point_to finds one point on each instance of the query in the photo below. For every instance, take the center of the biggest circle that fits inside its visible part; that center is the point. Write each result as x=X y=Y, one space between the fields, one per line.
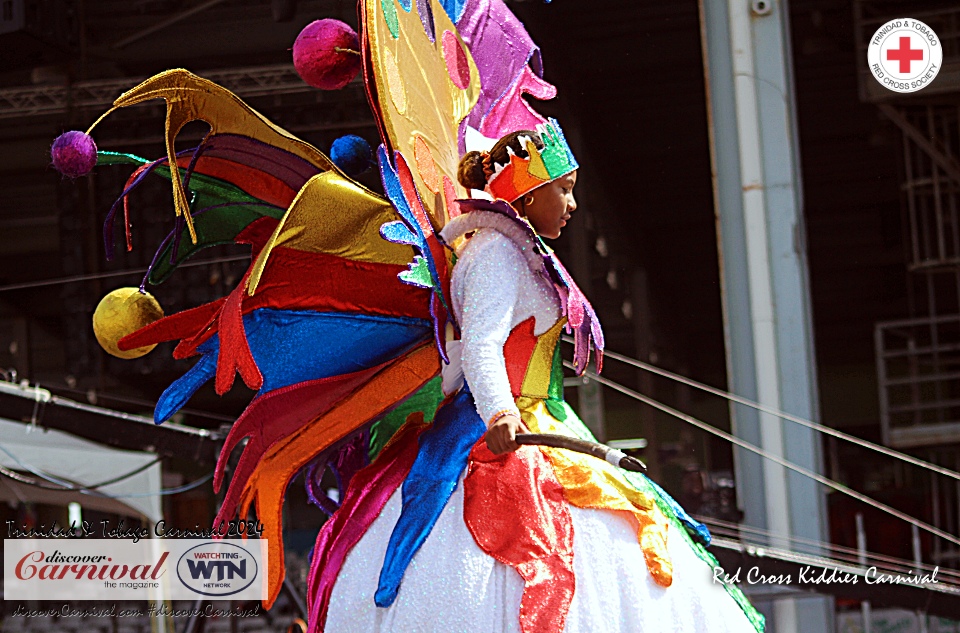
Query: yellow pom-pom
x=122 y=312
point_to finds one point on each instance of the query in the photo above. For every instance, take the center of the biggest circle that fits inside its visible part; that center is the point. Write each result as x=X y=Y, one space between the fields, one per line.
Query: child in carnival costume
x=406 y=355
x=487 y=535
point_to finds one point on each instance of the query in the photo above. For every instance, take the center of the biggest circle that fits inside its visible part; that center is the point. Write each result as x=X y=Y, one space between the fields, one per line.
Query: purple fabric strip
x=108 y=223
x=426 y=18
x=501 y=49
x=179 y=225
x=289 y=168
x=312 y=479
x=350 y=459
x=111 y=215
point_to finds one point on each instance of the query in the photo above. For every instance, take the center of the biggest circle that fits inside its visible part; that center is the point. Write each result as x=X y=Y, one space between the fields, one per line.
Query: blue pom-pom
x=352 y=154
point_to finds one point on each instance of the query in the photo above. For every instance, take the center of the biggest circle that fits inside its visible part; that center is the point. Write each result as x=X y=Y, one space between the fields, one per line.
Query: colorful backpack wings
x=340 y=321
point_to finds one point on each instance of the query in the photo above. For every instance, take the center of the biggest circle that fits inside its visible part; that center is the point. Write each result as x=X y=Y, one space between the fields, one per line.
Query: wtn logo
x=217 y=568
x=224 y=569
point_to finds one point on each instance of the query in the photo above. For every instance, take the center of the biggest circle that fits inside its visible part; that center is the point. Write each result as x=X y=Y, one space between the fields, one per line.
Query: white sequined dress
x=452 y=585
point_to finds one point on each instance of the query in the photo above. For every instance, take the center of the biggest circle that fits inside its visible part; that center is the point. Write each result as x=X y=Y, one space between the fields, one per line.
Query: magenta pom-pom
x=327 y=54
x=74 y=154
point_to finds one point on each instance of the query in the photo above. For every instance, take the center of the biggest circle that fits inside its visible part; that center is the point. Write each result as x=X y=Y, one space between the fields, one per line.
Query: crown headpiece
x=522 y=175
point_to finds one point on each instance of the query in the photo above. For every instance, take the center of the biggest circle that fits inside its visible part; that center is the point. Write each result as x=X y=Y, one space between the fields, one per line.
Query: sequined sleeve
x=486 y=287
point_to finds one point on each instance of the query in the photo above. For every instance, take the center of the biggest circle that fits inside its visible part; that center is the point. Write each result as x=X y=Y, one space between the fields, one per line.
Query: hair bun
x=471 y=173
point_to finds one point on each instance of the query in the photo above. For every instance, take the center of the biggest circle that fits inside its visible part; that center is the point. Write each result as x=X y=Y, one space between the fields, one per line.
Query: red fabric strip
x=297 y=280
x=235 y=354
x=184 y=324
x=516 y=511
x=273 y=417
x=517 y=351
x=258 y=184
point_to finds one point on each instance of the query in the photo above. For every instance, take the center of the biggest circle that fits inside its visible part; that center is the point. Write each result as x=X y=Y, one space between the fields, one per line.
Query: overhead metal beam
x=253 y=81
x=159 y=26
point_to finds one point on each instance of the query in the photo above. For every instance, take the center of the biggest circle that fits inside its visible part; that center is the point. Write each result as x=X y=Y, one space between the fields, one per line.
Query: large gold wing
x=425 y=82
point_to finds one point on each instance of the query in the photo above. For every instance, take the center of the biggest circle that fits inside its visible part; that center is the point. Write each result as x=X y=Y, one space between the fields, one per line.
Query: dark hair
x=471 y=173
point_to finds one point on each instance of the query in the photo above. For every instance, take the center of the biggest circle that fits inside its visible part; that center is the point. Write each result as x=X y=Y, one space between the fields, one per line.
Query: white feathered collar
x=512 y=228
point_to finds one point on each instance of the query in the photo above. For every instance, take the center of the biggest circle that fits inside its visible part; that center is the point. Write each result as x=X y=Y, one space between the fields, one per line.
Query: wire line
x=889 y=452
x=772 y=457
x=66 y=485
x=120 y=273
x=26 y=480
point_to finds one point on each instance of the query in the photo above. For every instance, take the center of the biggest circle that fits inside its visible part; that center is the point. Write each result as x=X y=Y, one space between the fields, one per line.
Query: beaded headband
x=522 y=175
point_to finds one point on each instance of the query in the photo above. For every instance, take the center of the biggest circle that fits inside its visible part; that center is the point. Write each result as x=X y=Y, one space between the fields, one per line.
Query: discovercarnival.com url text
x=153 y=611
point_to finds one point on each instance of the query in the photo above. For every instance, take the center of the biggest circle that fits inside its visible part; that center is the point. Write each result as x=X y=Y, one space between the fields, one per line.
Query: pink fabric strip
x=363 y=501
x=275 y=416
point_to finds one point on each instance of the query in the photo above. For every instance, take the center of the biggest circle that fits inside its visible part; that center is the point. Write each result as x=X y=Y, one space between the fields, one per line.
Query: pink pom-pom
x=74 y=154
x=327 y=54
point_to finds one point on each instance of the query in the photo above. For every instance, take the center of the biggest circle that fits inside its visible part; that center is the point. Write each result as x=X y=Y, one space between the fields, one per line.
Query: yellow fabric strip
x=536 y=380
x=417 y=97
x=589 y=482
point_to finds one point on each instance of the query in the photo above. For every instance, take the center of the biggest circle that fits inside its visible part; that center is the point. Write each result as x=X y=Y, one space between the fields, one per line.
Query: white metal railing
x=918 y=374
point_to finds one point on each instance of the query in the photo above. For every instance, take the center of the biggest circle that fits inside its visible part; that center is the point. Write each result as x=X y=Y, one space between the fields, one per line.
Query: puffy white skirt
x=452 y=586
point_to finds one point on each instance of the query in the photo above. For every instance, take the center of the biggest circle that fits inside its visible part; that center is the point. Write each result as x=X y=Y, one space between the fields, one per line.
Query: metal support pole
x=917 y=560
x=862 y=559
x=764 y=280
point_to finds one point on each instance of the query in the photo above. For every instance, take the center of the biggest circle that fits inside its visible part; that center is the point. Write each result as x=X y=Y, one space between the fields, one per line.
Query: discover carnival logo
x=217 y=568
x=904 y=55
x=122 y=569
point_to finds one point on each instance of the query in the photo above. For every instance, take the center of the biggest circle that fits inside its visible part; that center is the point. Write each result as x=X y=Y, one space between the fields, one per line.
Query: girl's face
x=549 y=206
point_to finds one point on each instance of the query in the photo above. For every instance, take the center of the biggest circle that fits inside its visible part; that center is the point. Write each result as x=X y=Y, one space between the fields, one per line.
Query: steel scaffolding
x=255 y=81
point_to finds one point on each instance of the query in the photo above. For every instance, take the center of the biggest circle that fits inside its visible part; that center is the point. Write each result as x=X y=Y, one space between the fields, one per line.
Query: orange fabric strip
x=589 y=482
x=267 y=485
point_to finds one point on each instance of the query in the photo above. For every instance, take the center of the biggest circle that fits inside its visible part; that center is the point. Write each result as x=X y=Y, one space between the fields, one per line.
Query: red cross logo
x=905 y=55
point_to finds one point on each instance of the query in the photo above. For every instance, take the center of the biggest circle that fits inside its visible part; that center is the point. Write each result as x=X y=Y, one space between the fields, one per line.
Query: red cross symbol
x=905 y=54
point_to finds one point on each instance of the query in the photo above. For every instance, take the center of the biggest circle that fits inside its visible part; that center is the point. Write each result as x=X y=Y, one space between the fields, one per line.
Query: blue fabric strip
x=291 y=347
x=182 y=389
x=442 y=457
x=696 y=529
x=454 y=9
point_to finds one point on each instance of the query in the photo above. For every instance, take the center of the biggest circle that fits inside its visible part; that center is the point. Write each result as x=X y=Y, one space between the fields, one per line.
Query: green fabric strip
x=426 y=400
x=555 y=390
x=214 y=226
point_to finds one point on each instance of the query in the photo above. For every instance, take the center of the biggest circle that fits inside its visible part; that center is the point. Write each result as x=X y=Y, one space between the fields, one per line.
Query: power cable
x=120 y=273
x=68 y=486
x=833 y=485
x=32 y=482
x=781 y=414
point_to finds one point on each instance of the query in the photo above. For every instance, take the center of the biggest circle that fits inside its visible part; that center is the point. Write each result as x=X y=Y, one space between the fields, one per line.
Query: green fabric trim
x=390 y=17
x=555 y=153
x=119 y=158
x=555 y=390
x=213 y=227
x=418 y=273
x=426 y=400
